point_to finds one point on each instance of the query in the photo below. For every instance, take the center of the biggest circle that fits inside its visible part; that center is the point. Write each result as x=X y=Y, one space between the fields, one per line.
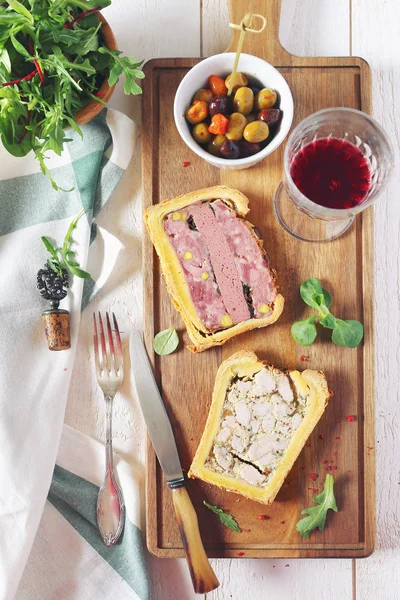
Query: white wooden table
x=151 y=28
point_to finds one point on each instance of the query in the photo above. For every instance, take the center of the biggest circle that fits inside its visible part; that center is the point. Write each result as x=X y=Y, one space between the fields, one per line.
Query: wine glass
x=337 y=162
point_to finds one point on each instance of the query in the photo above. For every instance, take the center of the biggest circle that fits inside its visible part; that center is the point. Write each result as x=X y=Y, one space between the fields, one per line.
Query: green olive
x=215 y=145
x=236 y=125
x=204 y=95
x=201 y=133
x=256 y=132
x=243 y=101
x=266 y=98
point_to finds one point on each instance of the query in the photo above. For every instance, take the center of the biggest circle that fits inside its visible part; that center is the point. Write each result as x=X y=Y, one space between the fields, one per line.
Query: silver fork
x=110 y=374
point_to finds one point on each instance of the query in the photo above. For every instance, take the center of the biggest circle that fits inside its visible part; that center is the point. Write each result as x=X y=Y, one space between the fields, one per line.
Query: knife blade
x=162 y=437
x=155 y=415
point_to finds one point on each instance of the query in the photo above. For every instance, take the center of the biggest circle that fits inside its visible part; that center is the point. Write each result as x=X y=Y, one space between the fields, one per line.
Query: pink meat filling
x=218 y=258
x=223 y=262
x=250 y=262
x=204 y=292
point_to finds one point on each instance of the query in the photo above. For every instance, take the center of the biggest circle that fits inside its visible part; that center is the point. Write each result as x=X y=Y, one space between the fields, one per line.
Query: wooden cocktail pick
x=246 y=25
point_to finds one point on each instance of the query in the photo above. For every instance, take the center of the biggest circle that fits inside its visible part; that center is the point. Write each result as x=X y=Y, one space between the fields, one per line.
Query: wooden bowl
x=91 y=110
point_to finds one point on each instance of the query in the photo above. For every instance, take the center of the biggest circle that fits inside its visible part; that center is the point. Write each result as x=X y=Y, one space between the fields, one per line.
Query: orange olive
x=197 y=112
x=217 y=86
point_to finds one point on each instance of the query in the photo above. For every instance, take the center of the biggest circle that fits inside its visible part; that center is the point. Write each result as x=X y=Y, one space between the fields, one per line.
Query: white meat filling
x=259 y=418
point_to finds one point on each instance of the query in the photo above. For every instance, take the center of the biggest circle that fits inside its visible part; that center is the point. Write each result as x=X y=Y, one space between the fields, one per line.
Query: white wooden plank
x=170 y=580
x=307 y=28
x=316 y=27
x=260 y=579
x=153 y=29
x=376 y=32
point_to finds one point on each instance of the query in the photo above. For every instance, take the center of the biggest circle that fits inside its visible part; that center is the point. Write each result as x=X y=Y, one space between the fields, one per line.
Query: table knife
x=161 y=435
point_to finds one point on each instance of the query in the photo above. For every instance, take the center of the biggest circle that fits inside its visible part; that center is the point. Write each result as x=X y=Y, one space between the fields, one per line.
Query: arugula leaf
x=317 y=514
x=304 y=332
x=20 y=9
x=225 y=518
x=347 y=333
x=165 y=342
x=64 y=258
x=124 y=66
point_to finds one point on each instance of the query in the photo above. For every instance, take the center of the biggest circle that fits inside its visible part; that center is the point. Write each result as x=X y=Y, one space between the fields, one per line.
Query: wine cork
x=56 y=327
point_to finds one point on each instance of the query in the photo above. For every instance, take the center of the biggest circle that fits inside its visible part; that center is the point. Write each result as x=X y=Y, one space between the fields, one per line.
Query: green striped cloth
x=49 y=543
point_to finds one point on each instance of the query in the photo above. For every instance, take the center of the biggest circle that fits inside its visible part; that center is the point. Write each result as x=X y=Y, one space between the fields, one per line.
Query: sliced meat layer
x=250 y=262
x=225 y=269
x=195 y=261
x=222 y=261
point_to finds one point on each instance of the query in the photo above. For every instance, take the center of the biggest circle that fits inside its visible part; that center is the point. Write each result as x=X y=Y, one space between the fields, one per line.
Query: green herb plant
x=317 y=514
x=63 y=257
x=165 y=342
x=53 y=61
x=225 y=518
x=344 y=333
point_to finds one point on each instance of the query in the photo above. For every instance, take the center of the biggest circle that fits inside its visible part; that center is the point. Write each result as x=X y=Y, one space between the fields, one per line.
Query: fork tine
x=96 y=345
x=119 y=345
x=105 y=361
x=111 y=344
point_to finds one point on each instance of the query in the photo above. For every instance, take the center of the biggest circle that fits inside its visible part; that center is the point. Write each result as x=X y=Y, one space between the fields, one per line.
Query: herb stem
x=28 y=120
x=16 y=81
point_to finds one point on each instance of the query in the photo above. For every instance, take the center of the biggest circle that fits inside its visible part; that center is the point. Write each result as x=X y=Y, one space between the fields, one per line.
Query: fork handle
x=110 y=501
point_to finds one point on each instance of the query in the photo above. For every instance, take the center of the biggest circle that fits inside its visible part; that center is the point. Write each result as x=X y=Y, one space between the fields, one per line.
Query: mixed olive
x=234 y=126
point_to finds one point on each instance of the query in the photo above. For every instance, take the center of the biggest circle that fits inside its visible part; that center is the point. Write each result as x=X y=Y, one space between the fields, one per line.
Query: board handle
x=266 y=44
x=203 y=577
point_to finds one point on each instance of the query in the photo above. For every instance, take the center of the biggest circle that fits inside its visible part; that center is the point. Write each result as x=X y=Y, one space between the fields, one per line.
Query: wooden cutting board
x=345 y=268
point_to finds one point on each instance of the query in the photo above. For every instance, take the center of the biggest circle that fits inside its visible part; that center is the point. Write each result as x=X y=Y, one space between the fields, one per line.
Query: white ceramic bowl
x=221 y=65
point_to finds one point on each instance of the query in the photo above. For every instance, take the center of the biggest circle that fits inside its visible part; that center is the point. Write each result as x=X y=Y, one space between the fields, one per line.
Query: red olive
x=229 y=149
x=270 y=116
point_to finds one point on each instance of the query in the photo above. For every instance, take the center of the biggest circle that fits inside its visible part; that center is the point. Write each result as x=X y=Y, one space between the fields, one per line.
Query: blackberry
x=51 y=286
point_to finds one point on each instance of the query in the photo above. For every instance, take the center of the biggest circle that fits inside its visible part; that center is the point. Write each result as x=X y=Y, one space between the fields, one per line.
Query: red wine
x=332 y=173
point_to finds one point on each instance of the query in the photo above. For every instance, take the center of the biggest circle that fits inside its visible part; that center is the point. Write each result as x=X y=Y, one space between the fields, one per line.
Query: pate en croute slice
x=214 y=265
x=259 y=420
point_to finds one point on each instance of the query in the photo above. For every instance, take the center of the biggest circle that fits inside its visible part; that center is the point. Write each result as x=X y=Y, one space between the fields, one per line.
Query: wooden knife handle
x=203 y=577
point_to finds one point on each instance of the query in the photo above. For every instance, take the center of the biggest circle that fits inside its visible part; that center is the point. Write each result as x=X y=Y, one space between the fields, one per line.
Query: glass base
x=302 y=226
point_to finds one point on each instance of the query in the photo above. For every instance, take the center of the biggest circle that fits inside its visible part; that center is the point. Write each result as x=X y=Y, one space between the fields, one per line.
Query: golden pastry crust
x=246 y=363
x=172 y=271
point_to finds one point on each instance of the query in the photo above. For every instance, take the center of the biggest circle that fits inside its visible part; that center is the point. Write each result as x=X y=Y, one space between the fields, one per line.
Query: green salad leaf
x=53 y=61
x=165 y=342
x=225 y=518
x=316 y=515
x=347 y=333
x=304 y=332
x=344 y=333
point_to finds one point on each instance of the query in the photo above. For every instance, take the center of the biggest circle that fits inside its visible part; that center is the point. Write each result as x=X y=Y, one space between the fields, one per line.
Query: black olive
x=229 y=149
x=248 y=148
x=219 y=105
